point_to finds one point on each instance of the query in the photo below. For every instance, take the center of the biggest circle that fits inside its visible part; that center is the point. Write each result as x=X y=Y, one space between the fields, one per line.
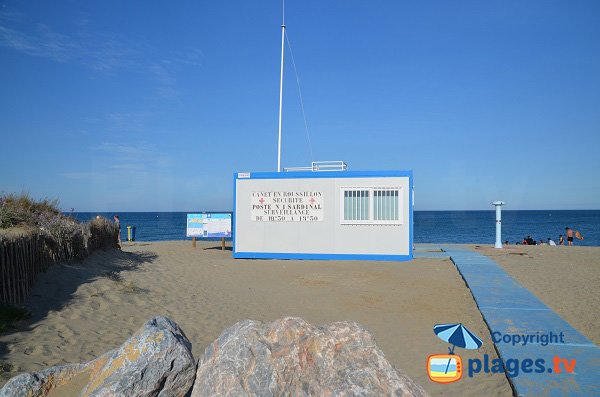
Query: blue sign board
x=208 y=225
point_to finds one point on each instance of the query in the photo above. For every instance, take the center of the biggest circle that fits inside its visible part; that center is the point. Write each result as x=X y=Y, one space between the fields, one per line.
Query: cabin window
x=356 y=205
x=371 y=206
x=385 y=205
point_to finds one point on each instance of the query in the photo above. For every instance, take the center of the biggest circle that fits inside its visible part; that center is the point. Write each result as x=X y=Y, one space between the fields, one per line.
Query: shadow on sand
x=218 y=248
x=56 y=288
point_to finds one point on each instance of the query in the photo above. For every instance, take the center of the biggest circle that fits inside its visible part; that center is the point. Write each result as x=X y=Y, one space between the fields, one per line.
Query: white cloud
x=88 y=175
x=100 y=50
x=128 y=151
x=42 y=43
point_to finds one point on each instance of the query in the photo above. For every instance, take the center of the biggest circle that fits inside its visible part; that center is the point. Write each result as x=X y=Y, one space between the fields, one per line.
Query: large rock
x=39 y=384
x=156 y=361
x=293 y=358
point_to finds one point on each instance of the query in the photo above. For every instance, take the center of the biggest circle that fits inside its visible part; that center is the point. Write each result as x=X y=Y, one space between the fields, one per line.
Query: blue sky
x=152 y=106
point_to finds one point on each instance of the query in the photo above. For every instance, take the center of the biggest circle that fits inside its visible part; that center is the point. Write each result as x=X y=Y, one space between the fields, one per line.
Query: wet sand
x=80 y=311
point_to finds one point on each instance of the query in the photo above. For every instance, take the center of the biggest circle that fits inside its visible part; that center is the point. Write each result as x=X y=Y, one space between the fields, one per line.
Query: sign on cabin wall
x=208 y=225
x=287 y=206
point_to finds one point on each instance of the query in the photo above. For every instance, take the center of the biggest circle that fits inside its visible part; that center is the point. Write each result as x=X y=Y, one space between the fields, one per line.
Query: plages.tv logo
x=448 y=368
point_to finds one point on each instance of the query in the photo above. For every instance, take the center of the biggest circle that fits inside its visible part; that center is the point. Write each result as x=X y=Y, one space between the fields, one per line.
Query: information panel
x=287 y=206
x=208 y=225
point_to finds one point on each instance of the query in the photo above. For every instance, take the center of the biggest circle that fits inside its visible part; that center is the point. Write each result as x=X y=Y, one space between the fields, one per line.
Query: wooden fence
x=24 y=256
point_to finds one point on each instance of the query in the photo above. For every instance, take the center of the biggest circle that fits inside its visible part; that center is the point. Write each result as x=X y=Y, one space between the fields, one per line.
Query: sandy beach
x=79 y=311
x=567 y=279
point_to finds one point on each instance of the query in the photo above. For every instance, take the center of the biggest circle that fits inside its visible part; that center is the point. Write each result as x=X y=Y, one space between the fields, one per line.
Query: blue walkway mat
x=426 y=254
x=510 y=310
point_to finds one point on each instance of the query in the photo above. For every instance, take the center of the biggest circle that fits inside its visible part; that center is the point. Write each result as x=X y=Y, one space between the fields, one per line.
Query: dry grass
x=35 y=234
x=23 y=210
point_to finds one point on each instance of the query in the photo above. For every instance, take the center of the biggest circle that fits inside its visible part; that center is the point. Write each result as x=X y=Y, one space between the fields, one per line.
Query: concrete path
x=513 y=313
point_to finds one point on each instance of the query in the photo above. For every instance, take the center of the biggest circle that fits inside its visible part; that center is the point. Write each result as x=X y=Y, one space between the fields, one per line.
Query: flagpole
x=281 y=89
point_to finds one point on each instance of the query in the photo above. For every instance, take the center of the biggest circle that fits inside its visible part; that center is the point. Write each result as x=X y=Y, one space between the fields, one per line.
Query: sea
x=455 y=227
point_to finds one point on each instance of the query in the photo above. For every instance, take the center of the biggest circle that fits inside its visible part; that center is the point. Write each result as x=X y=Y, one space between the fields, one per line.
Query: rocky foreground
x=286 y=357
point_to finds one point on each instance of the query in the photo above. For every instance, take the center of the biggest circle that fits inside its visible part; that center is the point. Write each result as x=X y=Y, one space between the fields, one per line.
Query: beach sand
x=80 y=311
x=567 y=279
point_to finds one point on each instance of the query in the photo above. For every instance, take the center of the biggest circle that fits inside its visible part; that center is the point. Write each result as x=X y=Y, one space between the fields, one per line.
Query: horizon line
x=420 y=210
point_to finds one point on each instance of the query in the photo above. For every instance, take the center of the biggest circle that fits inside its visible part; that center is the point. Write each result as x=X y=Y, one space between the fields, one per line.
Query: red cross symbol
x=312 y=200
x=262 y=200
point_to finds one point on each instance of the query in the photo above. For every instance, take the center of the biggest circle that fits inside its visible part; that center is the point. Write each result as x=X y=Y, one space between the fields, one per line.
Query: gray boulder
x=156 y=361
x=293 y=358
x=39 y=384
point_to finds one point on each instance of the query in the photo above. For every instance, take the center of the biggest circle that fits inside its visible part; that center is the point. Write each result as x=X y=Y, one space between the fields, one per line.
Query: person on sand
x=551 y=242
x=561 y=240
x=569 y=232
x=542 y=242
x=118 y=224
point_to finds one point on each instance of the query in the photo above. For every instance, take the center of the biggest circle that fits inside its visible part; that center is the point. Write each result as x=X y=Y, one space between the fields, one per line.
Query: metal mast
x=281 y=88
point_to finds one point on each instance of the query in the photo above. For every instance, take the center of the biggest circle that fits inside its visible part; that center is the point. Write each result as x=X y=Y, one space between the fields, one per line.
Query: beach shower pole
x=498 y=205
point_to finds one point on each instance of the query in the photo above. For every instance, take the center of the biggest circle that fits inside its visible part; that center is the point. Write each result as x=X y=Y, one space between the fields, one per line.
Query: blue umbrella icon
x=457 y=335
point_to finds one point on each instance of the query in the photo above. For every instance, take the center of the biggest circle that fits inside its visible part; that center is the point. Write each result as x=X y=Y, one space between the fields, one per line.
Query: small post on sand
x=222 y=243
x=498 y=205
x=194 y=242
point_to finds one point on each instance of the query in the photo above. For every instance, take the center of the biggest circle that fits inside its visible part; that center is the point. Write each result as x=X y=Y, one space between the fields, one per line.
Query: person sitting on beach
x=542 y=242
x=551 y=242
x=524 y=242
x=569 y=235
x=561 y=240
x=530 y=240
x=118 y=224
